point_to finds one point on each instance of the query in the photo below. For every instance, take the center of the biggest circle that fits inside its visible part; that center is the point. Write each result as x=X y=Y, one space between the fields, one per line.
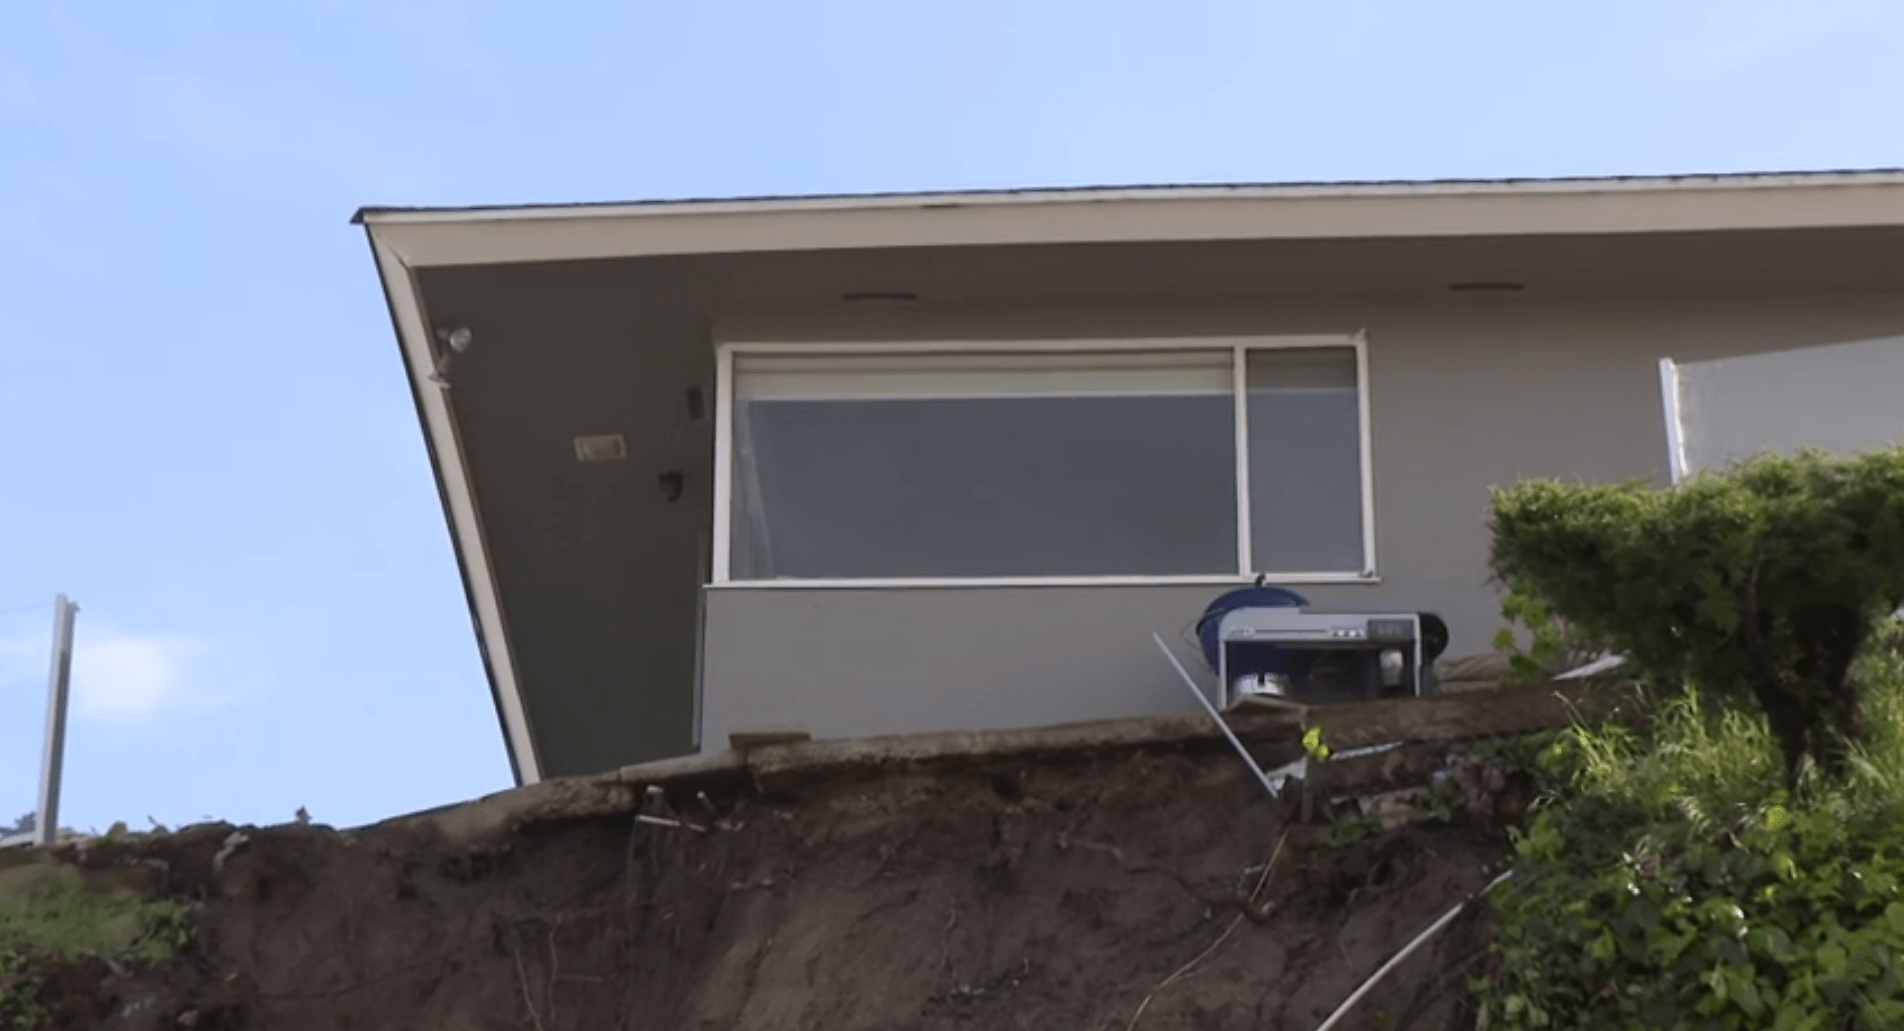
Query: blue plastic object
x=1246 y=598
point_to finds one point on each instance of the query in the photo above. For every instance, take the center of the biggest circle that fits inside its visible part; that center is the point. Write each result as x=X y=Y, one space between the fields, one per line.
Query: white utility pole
x=58 y=685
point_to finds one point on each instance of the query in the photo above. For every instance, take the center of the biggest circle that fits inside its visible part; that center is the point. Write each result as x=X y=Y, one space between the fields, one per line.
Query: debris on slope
x=1110 y=877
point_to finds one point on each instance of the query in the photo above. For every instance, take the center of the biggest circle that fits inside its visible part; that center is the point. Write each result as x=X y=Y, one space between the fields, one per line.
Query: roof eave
x=437 y=418
x=397 y=214
x=496 y=236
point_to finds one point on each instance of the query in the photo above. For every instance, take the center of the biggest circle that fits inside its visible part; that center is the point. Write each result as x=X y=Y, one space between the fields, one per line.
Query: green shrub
x=52 y=912
x=1553 y=645
x=52 y=909
x=1781 y=922
x=1676 y=882
x=20 y=1008
x=1762 y=582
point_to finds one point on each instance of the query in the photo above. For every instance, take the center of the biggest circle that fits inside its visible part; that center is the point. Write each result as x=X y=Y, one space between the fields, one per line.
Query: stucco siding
x=597 y=566
x=1463 y=397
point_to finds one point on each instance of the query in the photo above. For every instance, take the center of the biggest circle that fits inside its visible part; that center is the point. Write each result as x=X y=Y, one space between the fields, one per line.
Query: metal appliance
x=1310 y=657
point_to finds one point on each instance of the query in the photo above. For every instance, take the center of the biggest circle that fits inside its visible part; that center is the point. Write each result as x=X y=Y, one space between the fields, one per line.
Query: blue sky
x=205 y=436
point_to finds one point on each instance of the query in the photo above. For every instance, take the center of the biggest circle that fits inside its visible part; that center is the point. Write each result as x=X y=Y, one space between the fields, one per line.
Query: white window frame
x=1239 y=347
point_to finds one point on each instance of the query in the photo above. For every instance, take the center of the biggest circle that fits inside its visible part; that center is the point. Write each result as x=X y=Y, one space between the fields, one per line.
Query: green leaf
x=1744 y=990
x=1667 y=948
x=1793 y=1017
x=1313 y=744
x=1774 y=943
x=1604 y=948
x=1883 y=1013
x=1642 y=914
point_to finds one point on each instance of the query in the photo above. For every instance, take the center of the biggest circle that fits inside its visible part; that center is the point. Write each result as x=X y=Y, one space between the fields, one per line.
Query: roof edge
x=376 y=214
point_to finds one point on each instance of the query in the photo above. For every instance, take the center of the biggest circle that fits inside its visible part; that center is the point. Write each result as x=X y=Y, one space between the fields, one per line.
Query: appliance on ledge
x=1269 y=642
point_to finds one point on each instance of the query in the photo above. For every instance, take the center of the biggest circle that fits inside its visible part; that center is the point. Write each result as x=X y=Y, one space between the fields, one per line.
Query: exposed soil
x=1048 y=895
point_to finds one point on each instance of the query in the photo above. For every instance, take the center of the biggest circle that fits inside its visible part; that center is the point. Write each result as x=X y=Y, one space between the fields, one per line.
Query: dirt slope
x=1090 y=877
x=1050 y=894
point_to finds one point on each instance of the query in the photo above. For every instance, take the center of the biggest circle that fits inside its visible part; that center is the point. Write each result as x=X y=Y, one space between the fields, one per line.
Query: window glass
x=1000 y=465
x=1305 y=461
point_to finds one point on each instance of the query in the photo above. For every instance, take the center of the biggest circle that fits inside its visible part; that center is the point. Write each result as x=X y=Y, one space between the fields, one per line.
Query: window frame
x=1240 y=348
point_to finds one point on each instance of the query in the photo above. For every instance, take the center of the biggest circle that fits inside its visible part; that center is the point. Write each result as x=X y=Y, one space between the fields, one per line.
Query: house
x=927 y=462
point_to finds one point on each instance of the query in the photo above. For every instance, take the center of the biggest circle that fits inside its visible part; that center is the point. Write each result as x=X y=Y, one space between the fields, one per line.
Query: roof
x=417 y=238
x=1154 y=191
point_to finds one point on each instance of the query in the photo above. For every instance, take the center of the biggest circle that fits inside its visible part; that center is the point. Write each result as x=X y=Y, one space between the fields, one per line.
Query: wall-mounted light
x=456 y=338
x=452 y=340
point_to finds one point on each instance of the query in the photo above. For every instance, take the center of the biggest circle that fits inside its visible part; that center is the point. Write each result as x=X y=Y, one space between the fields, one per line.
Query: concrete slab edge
x=1445 y=718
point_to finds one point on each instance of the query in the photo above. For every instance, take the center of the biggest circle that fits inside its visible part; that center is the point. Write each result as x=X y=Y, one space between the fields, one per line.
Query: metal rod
x=662 y=821
x=1190 y=682
x=53 y=754
x=1343 y=1010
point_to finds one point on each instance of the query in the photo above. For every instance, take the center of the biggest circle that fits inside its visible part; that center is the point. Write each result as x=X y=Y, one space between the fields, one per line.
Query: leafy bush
x=52 y=912
x=1764 y=581
x=1783 y=922
x=20 y=1008
x=1553 y=646
x=1676 y=882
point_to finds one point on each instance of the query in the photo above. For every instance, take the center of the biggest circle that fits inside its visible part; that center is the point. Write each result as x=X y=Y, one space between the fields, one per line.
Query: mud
x=1122 y=889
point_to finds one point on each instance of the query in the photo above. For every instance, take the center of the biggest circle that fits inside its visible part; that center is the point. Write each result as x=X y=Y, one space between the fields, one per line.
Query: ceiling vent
x=605 y=448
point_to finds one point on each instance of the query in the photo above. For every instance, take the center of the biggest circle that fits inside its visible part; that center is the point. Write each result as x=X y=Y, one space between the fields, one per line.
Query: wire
x=1427 y=932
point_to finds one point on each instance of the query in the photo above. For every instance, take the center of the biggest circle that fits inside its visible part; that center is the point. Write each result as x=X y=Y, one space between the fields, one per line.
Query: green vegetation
x=1763 y=583
x=1316 y=748
x=50 y=911
x=1552 y=646
x=1439 y=806
x=1342 y=826
x=1677 y=883
x=1725 y=865
x=20 y=1008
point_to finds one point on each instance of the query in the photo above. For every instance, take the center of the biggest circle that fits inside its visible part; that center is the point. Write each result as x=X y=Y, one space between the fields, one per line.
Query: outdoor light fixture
x=455 y=340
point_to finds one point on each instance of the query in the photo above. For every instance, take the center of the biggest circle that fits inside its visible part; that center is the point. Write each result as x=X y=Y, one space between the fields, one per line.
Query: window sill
x=1287 y=580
